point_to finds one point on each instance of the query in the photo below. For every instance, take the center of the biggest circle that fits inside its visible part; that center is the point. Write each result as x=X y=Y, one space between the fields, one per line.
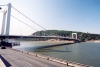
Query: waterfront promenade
x=17 y=58
x=13 y=58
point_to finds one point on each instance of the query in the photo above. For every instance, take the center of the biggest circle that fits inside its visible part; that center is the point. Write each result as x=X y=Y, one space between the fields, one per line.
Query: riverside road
x=13 y=58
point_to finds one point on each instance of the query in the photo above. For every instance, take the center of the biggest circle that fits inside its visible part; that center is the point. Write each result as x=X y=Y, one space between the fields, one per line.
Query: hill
x=80 y=35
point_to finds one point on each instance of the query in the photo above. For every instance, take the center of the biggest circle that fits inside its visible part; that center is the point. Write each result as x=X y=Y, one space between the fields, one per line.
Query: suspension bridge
x=9 y=20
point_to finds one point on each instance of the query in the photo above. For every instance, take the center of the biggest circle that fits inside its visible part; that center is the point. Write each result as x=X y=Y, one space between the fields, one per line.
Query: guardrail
x=61 y=61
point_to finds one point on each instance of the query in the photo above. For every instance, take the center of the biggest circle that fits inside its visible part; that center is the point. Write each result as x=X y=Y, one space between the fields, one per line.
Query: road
x=13 y=58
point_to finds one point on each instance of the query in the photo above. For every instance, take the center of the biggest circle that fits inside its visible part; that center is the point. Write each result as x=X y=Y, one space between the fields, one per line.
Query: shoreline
x=96 y=41
x=51 y=43
x=54 y=43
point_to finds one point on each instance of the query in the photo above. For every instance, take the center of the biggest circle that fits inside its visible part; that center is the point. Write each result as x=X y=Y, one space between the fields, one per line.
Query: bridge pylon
x=74 y=35
x=8 y=12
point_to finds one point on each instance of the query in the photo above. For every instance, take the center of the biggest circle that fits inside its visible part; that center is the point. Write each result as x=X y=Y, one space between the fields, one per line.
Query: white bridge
x=6 y=26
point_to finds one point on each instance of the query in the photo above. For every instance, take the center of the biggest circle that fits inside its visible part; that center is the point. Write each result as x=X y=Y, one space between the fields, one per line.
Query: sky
x=71 y=15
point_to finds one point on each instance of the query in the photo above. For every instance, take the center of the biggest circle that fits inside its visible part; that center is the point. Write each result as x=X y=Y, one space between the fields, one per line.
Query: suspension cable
x=28 y=18
x=23 y=22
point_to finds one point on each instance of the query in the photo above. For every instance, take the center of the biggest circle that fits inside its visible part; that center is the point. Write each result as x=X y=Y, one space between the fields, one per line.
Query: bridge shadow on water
x=7 y=64
x=47 y=48
x=51 y=50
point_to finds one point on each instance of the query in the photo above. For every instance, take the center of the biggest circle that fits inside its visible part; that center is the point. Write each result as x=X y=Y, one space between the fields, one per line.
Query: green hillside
x=81 y=35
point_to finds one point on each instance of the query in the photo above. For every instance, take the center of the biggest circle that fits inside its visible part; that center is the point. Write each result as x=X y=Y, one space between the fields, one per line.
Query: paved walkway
x=13 y=58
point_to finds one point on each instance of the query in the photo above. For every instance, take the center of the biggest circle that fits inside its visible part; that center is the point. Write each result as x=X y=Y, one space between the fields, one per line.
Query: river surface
x=86 y=53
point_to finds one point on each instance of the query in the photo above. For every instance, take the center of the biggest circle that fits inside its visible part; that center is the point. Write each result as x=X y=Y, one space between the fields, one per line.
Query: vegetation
x=80 y=35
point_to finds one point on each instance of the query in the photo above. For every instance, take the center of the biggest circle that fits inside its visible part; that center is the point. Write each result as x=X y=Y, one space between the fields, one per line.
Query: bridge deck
x=13 y=58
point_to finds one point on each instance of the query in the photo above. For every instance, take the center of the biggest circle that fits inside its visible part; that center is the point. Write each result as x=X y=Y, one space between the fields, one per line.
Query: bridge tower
x=8 y=12
x=74 y=35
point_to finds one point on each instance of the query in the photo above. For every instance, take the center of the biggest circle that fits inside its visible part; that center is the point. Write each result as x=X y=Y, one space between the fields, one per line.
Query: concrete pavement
x=13 y=58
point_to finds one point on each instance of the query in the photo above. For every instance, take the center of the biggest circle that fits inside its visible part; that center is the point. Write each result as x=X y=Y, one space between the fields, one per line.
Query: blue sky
x=74 y=15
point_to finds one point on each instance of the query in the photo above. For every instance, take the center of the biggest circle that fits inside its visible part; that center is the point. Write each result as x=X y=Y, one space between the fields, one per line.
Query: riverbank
x=94 y=41
x=47 y=44
x=57 y=41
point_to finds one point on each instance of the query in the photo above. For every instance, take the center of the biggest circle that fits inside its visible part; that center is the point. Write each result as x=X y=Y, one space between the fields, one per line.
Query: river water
x=86 y=53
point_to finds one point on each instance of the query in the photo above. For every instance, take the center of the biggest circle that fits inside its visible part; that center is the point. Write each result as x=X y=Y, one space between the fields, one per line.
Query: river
x=86 y=53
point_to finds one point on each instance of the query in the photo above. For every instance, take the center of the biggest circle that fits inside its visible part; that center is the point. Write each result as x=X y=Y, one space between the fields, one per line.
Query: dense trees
x=80 y=35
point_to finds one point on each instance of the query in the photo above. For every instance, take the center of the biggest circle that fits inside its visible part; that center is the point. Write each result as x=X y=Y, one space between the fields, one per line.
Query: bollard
x=47 y=58
x=67 y=64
